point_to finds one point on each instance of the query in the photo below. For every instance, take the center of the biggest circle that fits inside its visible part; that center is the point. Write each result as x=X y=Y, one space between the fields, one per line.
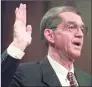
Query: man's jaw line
x=63 y=60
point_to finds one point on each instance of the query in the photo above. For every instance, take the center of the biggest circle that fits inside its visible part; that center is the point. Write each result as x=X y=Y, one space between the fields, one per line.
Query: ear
x=48 y=34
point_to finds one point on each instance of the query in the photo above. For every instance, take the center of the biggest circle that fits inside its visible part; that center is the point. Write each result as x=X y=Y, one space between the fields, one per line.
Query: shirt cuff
x=15 y=52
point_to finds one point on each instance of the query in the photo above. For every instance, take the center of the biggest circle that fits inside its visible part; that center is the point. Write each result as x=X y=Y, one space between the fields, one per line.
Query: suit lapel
x=79 y=78
x=48 y=74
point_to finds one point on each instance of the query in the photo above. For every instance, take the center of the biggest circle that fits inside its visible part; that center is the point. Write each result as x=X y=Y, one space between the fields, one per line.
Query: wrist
x=15 y=52
x=21 y=45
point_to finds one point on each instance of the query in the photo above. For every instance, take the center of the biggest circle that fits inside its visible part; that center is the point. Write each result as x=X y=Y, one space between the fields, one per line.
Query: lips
x=77 y=43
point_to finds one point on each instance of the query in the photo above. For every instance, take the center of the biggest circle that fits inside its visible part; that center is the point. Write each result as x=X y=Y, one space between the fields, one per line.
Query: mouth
x=77 y=44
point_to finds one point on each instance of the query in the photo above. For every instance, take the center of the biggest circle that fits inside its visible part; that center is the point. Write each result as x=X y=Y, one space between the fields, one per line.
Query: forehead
x=71 y=17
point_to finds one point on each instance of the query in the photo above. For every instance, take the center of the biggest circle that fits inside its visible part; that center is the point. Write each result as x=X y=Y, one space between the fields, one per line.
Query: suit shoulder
x=29 y=65
x=31 y=70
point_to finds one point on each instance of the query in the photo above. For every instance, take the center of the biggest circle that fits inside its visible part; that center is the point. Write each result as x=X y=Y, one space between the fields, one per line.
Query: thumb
x=29 y=29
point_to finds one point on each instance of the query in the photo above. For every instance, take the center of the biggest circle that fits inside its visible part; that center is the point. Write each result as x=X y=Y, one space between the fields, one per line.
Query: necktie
x=71 y=78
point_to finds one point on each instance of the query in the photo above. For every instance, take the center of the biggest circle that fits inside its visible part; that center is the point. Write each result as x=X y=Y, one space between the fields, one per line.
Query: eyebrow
x=74 y=22
x=83 y=25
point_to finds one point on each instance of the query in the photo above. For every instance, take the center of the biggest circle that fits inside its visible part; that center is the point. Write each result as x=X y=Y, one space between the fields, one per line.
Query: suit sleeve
x=8 y=68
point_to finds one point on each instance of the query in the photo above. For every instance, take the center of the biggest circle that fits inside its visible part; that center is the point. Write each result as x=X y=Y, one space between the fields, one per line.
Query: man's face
x=69 y=36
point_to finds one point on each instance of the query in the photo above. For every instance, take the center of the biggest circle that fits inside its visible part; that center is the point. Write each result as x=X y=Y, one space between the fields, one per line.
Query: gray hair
x=51 y=18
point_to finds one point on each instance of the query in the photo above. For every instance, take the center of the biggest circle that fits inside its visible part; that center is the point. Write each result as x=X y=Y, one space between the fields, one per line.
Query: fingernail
x=24 y=5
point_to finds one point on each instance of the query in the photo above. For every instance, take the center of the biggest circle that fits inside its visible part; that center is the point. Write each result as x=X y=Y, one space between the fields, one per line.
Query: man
x=63 y=30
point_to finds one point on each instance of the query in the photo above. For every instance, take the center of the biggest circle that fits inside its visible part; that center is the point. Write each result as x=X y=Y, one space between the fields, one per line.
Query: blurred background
x=35 y=11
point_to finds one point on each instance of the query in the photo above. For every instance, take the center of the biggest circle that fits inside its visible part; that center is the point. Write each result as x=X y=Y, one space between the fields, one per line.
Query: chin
x=75 y=55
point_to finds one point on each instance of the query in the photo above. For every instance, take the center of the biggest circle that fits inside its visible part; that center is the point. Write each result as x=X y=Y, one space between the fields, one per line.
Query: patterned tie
x=71 y=78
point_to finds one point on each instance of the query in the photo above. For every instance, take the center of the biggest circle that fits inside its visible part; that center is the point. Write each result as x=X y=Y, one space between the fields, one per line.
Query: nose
x=79 y=33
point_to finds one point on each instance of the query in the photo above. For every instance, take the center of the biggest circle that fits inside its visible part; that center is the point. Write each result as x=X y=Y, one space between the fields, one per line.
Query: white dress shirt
x=60 y=71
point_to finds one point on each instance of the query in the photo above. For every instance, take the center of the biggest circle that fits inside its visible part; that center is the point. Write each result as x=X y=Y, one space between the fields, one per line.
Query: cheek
x=82 y=40
x=67 y=43
x=63 y=42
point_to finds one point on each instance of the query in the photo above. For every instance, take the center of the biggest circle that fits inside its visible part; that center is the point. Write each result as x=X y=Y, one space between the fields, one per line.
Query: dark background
x=35 y=11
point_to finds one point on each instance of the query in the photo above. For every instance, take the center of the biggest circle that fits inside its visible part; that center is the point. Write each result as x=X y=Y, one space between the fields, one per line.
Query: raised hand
x=22 y=33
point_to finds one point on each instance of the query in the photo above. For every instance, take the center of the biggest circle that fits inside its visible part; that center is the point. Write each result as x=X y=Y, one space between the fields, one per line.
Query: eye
x=84 y=29
x=72 y=26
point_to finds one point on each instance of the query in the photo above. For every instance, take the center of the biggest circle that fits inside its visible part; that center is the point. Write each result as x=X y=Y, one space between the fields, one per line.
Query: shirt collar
x=58 y=68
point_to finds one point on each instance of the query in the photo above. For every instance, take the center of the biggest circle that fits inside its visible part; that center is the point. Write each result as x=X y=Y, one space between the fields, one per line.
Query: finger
x=17 y=13
x=24 y=5
x=29 y=29
x=22 y=11
x=16 y=10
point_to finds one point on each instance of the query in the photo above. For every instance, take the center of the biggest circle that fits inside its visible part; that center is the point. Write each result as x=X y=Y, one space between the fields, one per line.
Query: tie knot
x=70 y=76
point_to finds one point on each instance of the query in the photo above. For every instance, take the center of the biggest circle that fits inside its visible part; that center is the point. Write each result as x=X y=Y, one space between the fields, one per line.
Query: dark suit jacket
x=34 y=74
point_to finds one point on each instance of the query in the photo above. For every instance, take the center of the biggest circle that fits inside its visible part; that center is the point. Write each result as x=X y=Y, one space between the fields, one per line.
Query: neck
x=60 y=58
